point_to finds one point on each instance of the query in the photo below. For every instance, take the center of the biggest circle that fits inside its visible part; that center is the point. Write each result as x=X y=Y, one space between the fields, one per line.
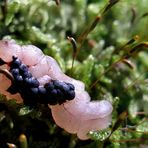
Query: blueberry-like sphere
x=54 y=93
x=49 y=86
x=35 y=82
x=19 y=78
x=70 y=95
x=34 y=90
x=28 y=81
x=27 y=74
x=71 y=86
x=58 y=84
x=15 y=72
x=23 y=68
x=42 y=90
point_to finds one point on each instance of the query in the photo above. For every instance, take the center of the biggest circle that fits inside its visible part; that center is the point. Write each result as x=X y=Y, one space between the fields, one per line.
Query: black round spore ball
x=23 y=68
x=28 y=81
x=42 y=90
x=65 y=88
x=70 y=95
x=19 y=78
x=54 y=93
x=71 y=86
x=60 y=94
x=34 y=90
x=49 y=86
x=27 y=74
x=58 y=84
x=35 y=82
x=15 y=72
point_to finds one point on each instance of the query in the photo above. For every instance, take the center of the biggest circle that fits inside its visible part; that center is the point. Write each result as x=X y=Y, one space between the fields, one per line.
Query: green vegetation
x=110 y=57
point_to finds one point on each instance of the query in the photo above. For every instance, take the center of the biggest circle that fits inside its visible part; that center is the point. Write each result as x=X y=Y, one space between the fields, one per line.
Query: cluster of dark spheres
x=53 y=92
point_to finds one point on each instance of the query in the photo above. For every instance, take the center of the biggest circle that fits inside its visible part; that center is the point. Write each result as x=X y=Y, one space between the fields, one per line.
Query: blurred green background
x=101 y=57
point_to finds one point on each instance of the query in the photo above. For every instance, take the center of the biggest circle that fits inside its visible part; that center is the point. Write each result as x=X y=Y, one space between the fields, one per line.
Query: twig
x=7 y=74
x=74 y=45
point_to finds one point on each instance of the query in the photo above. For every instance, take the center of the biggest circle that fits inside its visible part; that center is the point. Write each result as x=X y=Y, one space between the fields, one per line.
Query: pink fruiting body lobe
x=79 y=115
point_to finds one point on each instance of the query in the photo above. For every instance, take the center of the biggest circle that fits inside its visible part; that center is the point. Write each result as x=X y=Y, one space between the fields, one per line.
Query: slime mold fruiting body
x=54 y=92
x=76 y=114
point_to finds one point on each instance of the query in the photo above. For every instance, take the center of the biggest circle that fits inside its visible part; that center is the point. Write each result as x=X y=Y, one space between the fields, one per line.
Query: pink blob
x=78 y=116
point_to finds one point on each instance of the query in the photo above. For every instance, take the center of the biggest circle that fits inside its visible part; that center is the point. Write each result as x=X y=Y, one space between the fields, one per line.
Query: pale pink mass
x=78 y=116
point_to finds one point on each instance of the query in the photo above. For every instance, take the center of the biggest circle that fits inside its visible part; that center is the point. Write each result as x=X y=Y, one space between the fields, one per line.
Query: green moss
x=42 y=23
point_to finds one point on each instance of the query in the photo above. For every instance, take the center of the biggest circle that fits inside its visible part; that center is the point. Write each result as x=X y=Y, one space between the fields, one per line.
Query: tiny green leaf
x=24 y=111
x=13 y=7
x=143 y=126
x=100 y=135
